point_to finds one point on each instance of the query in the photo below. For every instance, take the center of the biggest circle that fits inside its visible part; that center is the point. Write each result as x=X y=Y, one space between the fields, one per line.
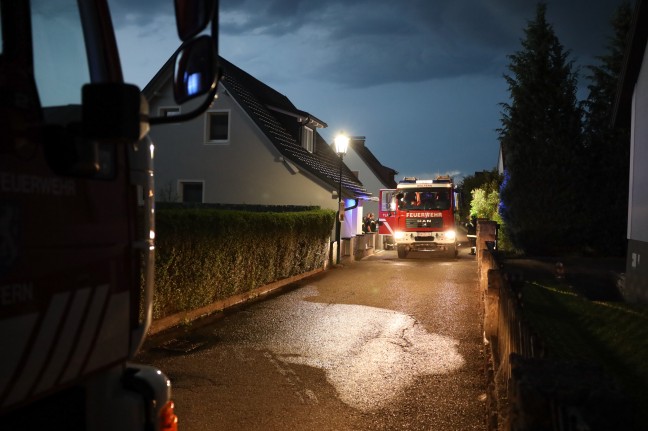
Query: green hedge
x=203 y=255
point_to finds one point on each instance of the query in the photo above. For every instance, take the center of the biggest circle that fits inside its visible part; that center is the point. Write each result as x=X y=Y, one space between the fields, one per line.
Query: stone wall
x=359 y=246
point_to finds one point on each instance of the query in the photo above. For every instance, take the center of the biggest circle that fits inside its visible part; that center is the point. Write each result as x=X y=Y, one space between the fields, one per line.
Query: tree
x=484 y=204
x=487 y=180
x=541 y=144
x=608 y=148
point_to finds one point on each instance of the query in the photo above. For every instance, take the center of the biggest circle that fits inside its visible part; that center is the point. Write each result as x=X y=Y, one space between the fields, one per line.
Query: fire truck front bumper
x=426 y=241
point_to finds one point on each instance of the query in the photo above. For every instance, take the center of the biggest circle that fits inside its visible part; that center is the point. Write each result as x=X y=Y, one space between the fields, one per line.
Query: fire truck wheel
x=402 y=252
x=453 y=252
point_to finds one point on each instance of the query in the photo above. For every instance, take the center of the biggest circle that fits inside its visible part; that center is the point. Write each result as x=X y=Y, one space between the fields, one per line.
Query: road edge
x=185 y=317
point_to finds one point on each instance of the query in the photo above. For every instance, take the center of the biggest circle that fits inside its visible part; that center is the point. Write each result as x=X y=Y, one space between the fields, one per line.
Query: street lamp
x=341 y=145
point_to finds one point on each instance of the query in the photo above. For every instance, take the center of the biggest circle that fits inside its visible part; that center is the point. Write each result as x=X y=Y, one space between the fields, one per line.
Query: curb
x=184 y=317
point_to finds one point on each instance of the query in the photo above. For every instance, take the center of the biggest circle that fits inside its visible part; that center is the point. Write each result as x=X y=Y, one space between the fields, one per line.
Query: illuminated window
x=217 y=127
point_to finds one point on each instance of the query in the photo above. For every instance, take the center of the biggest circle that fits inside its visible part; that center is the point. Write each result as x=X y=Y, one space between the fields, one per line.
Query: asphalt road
x=381 y=344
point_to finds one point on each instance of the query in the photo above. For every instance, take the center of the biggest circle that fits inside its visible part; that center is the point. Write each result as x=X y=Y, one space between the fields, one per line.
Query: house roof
x=383 y=173
x=280 y=121
x=636 y=46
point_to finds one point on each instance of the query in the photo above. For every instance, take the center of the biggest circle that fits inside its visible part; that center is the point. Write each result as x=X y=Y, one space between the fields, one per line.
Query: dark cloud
x=420 y=78
x=381 y=41
x=385 y=41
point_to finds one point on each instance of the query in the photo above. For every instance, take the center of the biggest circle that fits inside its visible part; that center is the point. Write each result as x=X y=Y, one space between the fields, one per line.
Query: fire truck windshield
x=60 y=54
x=428 y=198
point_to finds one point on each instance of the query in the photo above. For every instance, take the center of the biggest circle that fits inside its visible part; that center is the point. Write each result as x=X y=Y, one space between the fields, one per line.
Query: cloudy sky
x=422 y=80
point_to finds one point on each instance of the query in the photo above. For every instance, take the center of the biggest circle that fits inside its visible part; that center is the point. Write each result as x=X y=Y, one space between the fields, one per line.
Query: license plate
x=425 y=234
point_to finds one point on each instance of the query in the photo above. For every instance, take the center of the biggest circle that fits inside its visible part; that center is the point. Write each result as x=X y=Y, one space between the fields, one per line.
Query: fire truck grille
x=424 y=238
x=434 y=222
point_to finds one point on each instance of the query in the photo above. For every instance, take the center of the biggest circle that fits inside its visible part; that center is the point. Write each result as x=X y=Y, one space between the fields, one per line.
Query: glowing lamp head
x=341 y=144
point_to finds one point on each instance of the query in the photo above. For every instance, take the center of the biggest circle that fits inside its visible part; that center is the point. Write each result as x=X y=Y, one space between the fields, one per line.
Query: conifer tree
x=541 y=140
x=607 y=148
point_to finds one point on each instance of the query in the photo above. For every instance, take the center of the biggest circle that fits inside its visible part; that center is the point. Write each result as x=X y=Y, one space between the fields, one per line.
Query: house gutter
x=636 y=45
x=301 y=116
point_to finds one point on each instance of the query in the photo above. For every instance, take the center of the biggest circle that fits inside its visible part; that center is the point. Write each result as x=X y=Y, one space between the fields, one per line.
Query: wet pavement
x=380 y=344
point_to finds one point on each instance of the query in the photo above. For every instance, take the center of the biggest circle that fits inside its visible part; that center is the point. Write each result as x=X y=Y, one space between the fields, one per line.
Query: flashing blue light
x=193 y=84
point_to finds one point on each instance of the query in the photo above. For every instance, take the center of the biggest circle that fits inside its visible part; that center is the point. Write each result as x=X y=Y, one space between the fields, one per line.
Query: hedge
x=204 y=255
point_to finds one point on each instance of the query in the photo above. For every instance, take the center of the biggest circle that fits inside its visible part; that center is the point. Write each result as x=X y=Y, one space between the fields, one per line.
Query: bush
x=204 y=255
x=485 y=204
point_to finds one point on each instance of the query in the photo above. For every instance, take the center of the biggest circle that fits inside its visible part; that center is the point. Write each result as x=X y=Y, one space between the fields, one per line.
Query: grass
x=609 y=334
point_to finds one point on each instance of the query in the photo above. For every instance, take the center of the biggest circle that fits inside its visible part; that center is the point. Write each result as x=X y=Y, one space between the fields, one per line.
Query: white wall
x=638 y=204
x=352 y=224
x=367 y=178
x=247 y=170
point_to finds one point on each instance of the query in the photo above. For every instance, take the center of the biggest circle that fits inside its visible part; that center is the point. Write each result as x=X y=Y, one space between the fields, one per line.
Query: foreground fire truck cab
x=420 y=215
x=77 y=215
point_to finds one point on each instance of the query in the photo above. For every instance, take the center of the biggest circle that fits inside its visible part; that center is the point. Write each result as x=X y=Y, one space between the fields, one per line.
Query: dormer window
x=308 y=141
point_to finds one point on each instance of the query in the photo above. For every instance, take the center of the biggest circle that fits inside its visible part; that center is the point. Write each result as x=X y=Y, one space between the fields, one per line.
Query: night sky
x=422 y=80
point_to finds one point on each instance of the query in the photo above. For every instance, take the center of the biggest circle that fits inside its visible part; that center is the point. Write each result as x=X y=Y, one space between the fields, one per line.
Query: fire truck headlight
x=450 y=234
x=399 y=234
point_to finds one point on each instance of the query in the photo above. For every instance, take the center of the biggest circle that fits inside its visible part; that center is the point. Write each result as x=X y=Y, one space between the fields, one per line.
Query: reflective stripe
x=78 y=333
x=114 y=337
x=87 y=333
x=37 y=357
x=65 y=344
x=386 y=223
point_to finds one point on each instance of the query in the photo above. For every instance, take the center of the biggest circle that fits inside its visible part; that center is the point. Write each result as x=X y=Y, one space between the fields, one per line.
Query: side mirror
x=110 y=116
x=111 y=111
x=196 y=70
x=193 y=16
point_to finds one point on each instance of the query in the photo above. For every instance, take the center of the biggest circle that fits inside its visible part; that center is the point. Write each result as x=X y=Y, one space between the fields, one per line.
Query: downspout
x=352 y=207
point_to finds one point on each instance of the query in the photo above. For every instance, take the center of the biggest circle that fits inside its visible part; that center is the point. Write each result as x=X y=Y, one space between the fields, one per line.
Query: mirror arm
x=214 y=27
x=193 y=114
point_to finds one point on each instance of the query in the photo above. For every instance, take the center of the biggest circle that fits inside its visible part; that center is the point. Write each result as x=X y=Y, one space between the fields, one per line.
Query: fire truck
x=76 y=214
x=420 y=215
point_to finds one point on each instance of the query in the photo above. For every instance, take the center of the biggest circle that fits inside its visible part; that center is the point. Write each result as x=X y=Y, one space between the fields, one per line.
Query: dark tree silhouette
x=541 y=144
x=607 y=148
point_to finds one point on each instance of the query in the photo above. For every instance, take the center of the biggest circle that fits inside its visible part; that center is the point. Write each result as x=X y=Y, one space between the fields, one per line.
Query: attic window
x=217 y=127
x=307 y=139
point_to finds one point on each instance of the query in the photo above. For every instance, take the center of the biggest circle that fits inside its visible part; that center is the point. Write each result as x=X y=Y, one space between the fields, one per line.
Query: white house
x=373 y=175
x=252 y=146
x=632 y=109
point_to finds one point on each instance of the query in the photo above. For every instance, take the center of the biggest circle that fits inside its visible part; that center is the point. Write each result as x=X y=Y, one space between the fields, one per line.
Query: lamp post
x=341 y=145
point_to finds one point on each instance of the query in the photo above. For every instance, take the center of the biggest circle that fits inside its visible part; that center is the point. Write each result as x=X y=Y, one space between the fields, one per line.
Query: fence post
x=491 y=306
x=486 y=231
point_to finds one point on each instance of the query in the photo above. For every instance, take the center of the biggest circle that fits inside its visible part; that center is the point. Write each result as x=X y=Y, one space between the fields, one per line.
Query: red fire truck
x=76 y=215
x=420 y=215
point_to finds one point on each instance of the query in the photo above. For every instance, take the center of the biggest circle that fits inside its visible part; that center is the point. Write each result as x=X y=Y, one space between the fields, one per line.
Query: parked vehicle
x=420 y=215
x=76 y=215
